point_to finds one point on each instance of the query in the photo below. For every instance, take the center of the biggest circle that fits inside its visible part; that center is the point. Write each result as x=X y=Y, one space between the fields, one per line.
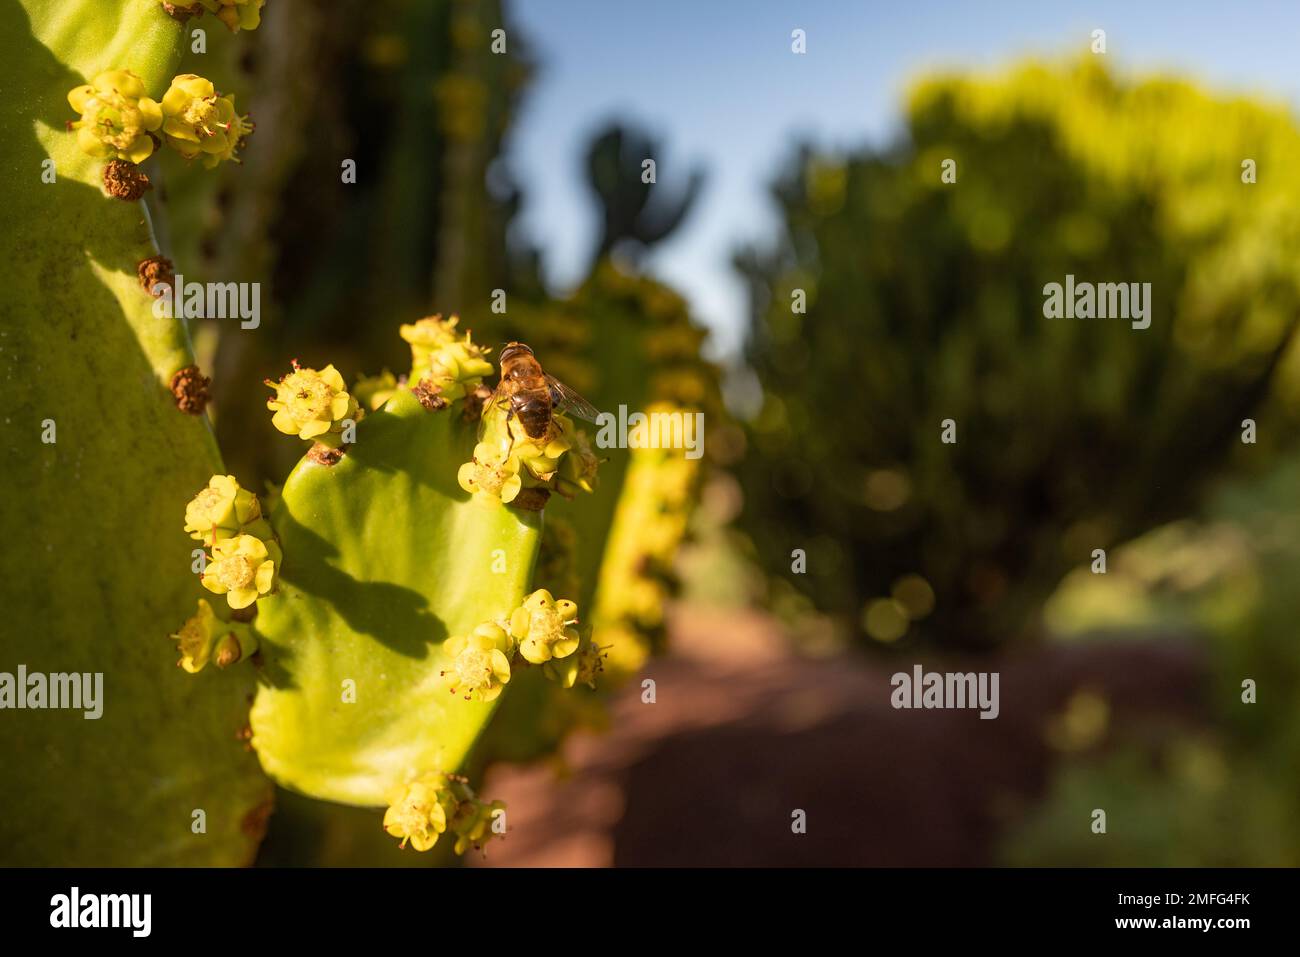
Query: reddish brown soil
x=743 y=732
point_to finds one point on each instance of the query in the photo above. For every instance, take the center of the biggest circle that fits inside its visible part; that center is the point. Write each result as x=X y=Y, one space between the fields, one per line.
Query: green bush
x=925 y=302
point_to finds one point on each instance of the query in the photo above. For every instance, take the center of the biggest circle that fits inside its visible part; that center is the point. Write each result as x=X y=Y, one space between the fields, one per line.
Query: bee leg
x=510 y=433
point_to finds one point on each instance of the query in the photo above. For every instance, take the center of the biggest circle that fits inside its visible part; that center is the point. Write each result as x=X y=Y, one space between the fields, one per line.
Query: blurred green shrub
x=925 y=303
x=1223 y=794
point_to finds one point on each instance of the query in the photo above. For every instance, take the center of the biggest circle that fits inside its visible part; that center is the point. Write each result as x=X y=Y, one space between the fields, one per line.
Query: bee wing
x=566 y=400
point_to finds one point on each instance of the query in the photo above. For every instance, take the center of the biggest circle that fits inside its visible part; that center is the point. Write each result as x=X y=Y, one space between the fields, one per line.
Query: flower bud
x=236 y=14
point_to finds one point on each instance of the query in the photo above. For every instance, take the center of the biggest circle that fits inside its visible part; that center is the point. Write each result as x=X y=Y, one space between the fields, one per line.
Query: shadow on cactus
x=390 y=583
x=121 y=399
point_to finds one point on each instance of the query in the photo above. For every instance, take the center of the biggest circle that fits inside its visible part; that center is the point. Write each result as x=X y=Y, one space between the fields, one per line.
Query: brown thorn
x=430 y=395
x=181 y=12
x=154 y=272
x=191 y=390
x=123 y=180
x=322 y=454
x=531 y=499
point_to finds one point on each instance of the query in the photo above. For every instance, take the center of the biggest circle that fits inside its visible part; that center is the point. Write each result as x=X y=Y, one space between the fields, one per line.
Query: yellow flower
x=479 y=668
x=243 y=569
x=544 y=627
x=205 y=637
x=436 y=803
x=236 y=14
x=578 y=468
x=455 y=364
x=491 y=473
x=223 y=510
x=197 y=121
x=582 y=667
x=196 y=638
x=417 y=815
x=116 y=117
x=313 y=405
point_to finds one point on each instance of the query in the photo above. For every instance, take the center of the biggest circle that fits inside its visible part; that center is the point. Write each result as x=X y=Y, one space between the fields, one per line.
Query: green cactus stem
x=403 y=610
x=95 y=438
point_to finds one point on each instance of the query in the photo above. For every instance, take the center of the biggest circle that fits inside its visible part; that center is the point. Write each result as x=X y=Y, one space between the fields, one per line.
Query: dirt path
x=742 y=733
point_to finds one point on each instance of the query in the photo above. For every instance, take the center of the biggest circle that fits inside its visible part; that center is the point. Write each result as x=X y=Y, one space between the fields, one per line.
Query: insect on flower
x=533 y=396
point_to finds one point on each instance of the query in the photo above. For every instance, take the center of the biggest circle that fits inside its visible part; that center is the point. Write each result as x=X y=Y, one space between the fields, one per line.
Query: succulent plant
x=102 y=581
x=375 y=610
x=400 y=609
x=620 y=340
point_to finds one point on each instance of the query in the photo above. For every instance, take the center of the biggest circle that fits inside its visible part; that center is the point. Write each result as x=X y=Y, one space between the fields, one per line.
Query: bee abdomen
x=534 y=413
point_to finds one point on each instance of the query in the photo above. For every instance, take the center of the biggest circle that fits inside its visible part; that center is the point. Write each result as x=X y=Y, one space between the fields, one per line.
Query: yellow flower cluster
x=506 y=460
x=429 y=807
x=454 y=363
x=235 y=14
x=119 y=121
x=245 y=557
x=542 y=631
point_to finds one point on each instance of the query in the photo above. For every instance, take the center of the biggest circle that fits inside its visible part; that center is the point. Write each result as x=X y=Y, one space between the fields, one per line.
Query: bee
x=532 y=396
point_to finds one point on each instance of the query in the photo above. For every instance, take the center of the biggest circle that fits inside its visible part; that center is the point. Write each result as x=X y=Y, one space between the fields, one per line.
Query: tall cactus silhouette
x=635 y=209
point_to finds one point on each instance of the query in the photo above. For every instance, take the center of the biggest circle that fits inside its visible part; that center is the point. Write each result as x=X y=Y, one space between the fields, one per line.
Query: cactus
x=620 y=340
x=378 y=608
x=635 y=210
x=390 y=585
x=98 y=582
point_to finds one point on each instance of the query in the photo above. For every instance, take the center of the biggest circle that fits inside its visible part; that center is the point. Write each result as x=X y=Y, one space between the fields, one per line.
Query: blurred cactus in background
x=398 y=109
x=620 y=340
x=622 y=170
x=900 y=298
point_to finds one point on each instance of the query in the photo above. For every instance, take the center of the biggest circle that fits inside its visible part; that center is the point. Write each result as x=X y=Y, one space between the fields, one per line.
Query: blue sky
x=716 y=83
